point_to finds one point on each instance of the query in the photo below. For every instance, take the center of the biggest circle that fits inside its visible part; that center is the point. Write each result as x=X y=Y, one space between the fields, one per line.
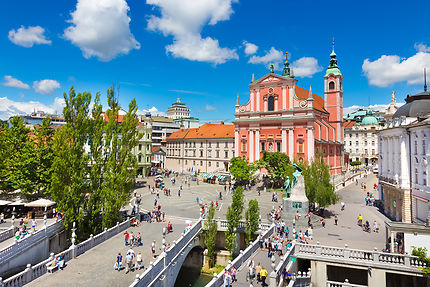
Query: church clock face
x=303 y=104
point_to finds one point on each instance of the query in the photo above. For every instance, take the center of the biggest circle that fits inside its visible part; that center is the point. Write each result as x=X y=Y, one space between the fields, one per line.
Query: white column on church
x=257 y=144
x=311 y=144
x=252 y=100
x=284 y=140
x=251 y=146
x=276 y=103
x=291 y=144
x=284 y=97
x=258 y=100
x=236 y=142
x=265 y=104
x=290 y=99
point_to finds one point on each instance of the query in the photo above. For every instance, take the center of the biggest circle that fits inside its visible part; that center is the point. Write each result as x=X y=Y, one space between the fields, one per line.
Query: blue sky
x=195 y=49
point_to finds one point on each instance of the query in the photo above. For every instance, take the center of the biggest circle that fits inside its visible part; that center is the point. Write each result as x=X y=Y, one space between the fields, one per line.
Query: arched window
x=331 y=86
x=271 y=104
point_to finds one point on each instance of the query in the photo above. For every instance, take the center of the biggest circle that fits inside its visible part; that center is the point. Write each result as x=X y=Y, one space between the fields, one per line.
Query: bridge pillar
x=376 y=278
x=28 y=273
x=272 y=279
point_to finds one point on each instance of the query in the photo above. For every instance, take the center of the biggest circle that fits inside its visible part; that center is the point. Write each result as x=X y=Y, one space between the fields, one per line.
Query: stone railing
x=158 y=268
x=33 y=272
x=301 y=279
x=342 y=284
x=223 y=224
x=31 y=239
x=358 y=257
x=242 y=258
x=284 y=263
x=6 y=234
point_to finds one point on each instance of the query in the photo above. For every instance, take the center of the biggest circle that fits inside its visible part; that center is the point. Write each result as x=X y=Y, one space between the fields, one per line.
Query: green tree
x=69 y=182
x=241 y=170
x=317 y=183
x=421 y=253
x=121 y=137
x=211 y=227
x=234 y=215
x=278 y=167
x=252 y=216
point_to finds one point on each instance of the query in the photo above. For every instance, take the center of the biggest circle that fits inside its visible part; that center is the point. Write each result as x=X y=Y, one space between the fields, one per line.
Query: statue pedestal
x=297 y=201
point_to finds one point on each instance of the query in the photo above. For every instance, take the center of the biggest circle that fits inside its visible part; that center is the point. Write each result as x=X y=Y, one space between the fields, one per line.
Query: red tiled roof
x=304 y=94
x=206 y=131
x=349 y=124
x=120 y=118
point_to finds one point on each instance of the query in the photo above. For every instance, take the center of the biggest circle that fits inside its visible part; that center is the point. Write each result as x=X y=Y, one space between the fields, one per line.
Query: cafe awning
x=40 y=203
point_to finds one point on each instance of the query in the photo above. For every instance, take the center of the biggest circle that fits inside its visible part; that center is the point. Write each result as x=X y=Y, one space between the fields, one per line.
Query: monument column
x=291 y=144
x=257 y=144
x=251 y=145
x=284 y=140
x=284 y=97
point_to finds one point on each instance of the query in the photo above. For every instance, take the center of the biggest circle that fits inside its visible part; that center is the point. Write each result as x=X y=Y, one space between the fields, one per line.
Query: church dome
x=416 y=106
x=369 y=119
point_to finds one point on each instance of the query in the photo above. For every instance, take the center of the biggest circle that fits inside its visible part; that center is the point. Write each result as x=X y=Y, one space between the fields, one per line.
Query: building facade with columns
x=404 y=161
x=281 y=116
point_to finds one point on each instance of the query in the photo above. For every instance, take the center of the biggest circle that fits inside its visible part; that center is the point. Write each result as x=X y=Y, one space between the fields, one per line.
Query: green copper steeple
x=333 y=67
x=286 y=72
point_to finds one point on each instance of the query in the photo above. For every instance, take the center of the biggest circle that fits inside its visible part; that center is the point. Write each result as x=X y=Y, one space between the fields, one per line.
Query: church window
x=300 y=146
x=278 y=146
x=262 y=146
x=331 y=85
x=243 y=146
x=271 y=104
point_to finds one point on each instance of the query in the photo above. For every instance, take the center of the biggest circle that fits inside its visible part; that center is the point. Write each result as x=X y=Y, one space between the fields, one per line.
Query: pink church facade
x=281 y=116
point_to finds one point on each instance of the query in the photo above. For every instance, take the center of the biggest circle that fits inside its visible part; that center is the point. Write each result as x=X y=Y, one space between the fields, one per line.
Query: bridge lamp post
x=13 y=216
x=44 y=218
x=164 y=238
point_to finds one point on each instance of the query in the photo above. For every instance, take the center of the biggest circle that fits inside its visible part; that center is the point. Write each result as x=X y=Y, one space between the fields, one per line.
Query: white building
x=162 y=128
x=361 y=139
x=403 y=161
x=178 y=110
x=208 y=148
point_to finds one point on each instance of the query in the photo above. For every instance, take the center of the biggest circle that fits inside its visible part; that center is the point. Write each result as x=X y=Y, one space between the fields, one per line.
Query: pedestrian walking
x=263 y=275
x=128 y=262
x=139 y=260
x=118 y=262
x=335 y=220
x=153 y=249
x=126 y=237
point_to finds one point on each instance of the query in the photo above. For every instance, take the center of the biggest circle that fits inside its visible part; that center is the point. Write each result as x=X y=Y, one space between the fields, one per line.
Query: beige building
x=178 y=110
x=208 y=148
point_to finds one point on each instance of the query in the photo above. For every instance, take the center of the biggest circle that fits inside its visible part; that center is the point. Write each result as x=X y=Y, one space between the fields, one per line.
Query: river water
x=189 y=277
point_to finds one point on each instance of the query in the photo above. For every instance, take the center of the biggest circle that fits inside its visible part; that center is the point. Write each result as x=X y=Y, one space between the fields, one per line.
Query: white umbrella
x=40 y=203
x=4 y=202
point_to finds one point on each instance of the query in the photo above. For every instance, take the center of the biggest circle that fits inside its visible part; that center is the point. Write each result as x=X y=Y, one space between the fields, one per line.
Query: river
x=189 y=277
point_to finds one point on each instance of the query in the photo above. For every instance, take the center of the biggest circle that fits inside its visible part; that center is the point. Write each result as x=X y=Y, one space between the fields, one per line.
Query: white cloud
x=27 y=37
x=376 y=107
x=153 y=111
x=390 y=69
x=10 y=108
x=184 y=20
x=46 y=86
x=210 y=108
x=101 y=29
x=272 y=56
x=306 y=67
x=250 y=48
x=14 y=83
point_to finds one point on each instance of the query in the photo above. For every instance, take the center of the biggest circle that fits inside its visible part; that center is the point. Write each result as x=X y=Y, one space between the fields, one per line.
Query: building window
x=209 y=153
x=209 y=163
x=201 y=144
x=140 y=158
x=331 y=85
x=271 y=104
x=140 y=147
x=356 y=142
x=226 y=144
x=226 y=154
x=424 y=147
x=356 y=151
x=373 y=143
x=147 y=159
x=201 y=153
x=416 y=147
x=365 y=151
x=416 y=176
x=186 y=161
x=217 y=154
x=243 y=146
x=194 y=162
x=356 y=135
x=194 y=153
x=217 y=164
x=233 y=153
x=373 y=151
x=263 y=146
x=209 y=144
x=278 y=146
x=300 y=146
x=194 y=144
x=201 y=163
x=365 y=143
x=217 y=144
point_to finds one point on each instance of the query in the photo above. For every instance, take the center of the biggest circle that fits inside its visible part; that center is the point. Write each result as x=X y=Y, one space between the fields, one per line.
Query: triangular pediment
x=270 y=78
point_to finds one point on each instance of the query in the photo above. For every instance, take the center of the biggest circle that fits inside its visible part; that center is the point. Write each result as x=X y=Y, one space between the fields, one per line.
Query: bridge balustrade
x=239 y=260
x=34 y=272
x=8 y=233
x=158 y=268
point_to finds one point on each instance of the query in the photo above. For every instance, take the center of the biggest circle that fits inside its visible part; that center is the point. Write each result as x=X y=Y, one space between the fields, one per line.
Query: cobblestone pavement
x=95 y=267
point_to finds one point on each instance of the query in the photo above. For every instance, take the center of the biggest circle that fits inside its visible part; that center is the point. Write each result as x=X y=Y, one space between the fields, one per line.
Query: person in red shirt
x=126 y=237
